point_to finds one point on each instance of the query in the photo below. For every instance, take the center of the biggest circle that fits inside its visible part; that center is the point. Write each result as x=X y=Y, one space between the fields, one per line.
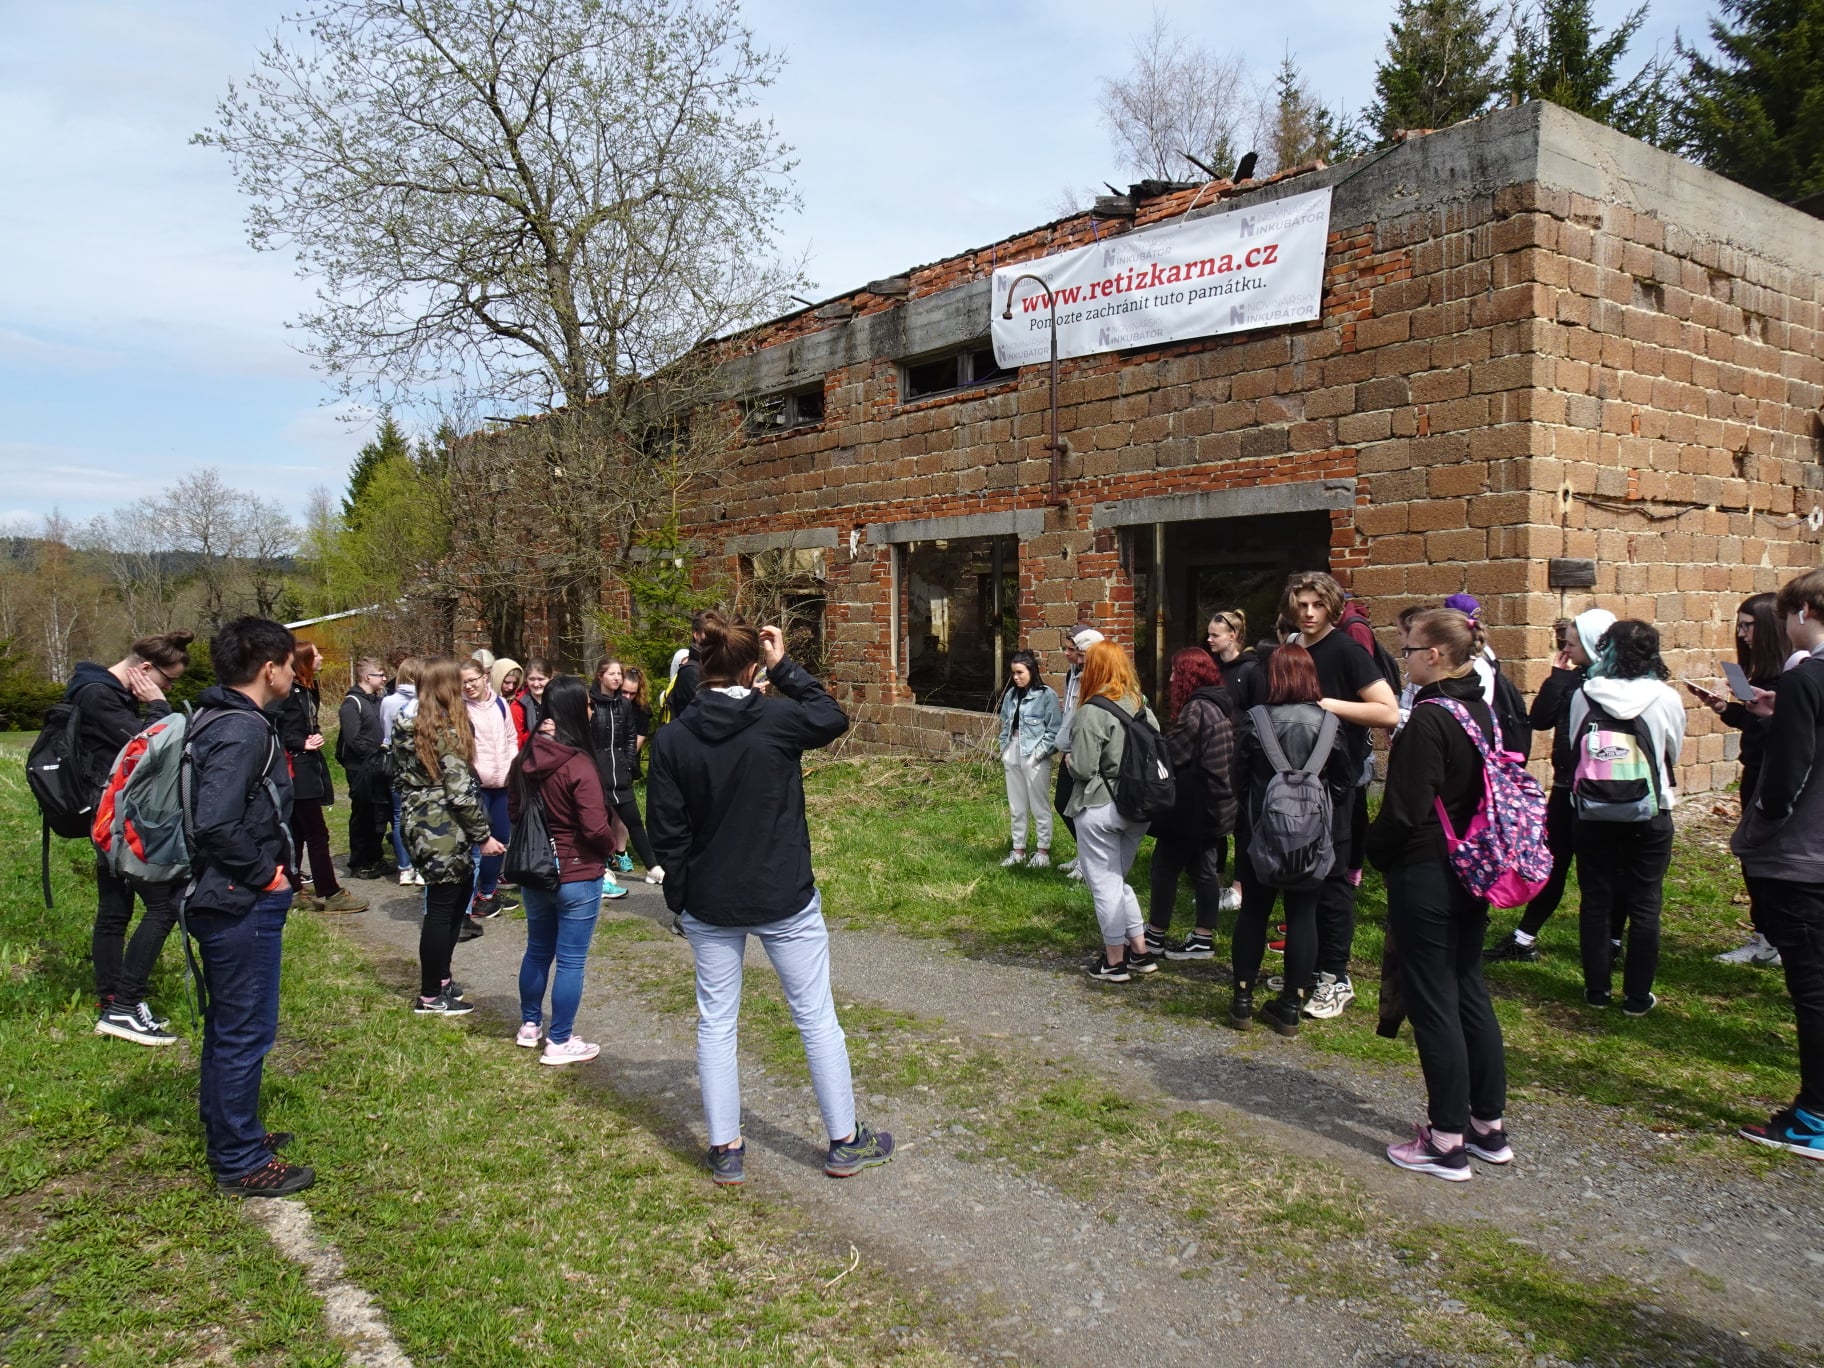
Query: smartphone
x=1738 y=681
x=1700 y=690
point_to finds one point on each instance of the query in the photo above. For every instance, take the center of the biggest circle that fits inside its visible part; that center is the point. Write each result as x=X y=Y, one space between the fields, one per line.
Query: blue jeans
x=401 y=856
x=559 y=925
x=487 y=867
x=240 y=959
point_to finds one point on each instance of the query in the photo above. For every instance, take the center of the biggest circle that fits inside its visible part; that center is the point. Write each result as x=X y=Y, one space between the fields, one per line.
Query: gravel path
x=1730 y=1263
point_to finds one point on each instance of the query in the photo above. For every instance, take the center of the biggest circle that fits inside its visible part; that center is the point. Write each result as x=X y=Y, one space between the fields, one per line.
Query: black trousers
x=122 y=967
x=1560 y=839
x=366 y=826
x=445 y=905
x=1060 y=798
x=1336 y=899
x=1439 y=928
x=1621 y=872
x=1791 y=916
x=1250 y=940
x=629 y=812
x=1173 y=857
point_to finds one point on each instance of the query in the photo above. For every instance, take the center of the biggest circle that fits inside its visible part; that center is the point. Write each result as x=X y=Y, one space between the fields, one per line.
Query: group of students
x=458 y=756
x=1253 y=734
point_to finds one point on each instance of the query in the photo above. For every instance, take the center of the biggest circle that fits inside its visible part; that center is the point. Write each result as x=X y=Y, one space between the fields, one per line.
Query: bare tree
x=543 y=205
x=135 y=546
x=237 y=543
x=1179 y=97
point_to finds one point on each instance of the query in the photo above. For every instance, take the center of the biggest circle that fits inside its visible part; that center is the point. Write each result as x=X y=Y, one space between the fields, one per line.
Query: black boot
x=1241 y=1007
x=1284 y=1011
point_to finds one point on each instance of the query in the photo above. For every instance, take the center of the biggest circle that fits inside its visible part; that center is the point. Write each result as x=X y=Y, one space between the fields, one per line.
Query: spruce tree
x=1440 y=66
x=389 y=441
x=1754 y=110
x=1560 y=55
x=1299 y=128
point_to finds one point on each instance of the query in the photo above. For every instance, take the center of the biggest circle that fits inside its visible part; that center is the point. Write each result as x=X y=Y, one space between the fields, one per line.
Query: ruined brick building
x=1554 y=366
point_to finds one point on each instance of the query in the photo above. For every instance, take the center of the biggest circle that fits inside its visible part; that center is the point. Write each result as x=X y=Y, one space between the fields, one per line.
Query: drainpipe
x=1056 y=447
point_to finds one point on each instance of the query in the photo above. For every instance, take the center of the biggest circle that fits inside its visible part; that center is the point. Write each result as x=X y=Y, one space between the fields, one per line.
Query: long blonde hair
x=1108 y=673
x=443 y=719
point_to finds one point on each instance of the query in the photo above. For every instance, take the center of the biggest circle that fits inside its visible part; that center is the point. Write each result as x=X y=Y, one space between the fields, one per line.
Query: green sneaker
x=866 y=1148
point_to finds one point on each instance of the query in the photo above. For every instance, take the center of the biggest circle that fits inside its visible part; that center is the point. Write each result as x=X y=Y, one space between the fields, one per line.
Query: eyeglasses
x=1408 y=650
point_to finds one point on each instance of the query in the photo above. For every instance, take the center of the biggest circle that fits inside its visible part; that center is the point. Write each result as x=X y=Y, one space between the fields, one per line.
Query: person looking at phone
x=1577 y=640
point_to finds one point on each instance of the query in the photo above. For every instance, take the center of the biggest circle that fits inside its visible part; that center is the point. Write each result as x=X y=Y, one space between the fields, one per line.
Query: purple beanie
x=1464 y=604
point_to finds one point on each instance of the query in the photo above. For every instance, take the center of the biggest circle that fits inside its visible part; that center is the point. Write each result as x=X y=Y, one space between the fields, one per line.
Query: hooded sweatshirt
x=725 y=799
x=571 y=792
x=1781 y=835
x=390 y=707
x=1662 y=718
x=111 y=717
x=496 y=739
x=1551 y=710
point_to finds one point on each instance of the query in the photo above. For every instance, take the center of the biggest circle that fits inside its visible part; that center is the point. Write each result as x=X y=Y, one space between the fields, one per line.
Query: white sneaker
x=528 y=1035
x=405 y=878
x=655 y=875
x=418 y=878
x=1074 y=872
x=1014 y=857
x=1041 y=859
x=1326 y=1001
x=1231 y=900
x=575 y=1050
x=1345 y=993
x=1757 y=952
x=1068 y=867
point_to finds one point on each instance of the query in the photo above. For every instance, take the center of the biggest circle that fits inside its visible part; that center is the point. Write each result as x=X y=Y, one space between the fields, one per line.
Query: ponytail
x=729 y=649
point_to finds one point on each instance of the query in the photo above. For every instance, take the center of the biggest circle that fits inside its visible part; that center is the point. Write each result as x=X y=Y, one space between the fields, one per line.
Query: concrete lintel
x=1306 y=496
x=1018 y=522
x=799 y=539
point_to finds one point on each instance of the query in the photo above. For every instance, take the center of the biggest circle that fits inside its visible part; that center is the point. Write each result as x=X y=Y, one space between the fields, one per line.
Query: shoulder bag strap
x=1326 y=738
x=1269 y=739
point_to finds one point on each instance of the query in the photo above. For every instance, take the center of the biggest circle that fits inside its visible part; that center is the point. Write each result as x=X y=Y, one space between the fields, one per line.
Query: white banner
x=1253 y=267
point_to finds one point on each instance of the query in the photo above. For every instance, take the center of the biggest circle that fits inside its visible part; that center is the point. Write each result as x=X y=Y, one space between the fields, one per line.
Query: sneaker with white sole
x=405 y=878
x=1196 y=946
x=418 y=878
x=1422 y=1155
x=1102 y=971
x=1792 y=1129
x=1757 y=953
x=528 y=1035
x=1326 y=999
x=612 y=891
x=1014 y=857
x=1068 y=867
x=573 y=1051
x=441 y=1005
x=655 y=875
x=134 y=1023
x=1345 y=992
x=1231 y=900
x=1490 y=1146
x=1041 y=859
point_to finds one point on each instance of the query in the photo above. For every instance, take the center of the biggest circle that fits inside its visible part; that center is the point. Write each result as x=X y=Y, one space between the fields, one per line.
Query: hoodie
x=571 y=792
x=1551 y=710
x=496 y=739
x=391 y=706
x=1781 y=835
x=725 y=799
x=1661 y=715
x=111 y=717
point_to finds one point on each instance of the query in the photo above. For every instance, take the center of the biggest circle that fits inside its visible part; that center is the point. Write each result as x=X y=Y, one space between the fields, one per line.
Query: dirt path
x=1731 y=1264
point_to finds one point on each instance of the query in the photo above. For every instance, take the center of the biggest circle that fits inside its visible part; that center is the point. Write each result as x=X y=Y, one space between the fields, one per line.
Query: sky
x=141 y=338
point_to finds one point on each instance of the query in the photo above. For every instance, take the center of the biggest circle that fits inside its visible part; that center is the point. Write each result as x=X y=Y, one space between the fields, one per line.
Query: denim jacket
x=1039 y=720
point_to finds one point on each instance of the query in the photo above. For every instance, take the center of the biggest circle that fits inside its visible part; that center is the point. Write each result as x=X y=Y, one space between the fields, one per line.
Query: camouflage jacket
x=442 y=819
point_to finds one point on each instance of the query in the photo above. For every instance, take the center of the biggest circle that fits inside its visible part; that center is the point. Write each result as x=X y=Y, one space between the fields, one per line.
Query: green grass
x=913 y=846
x=500 y=1214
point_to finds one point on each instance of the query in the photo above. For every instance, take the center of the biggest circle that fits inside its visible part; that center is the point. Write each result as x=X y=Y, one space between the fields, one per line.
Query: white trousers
x=1028 y=795
x=1106 y=845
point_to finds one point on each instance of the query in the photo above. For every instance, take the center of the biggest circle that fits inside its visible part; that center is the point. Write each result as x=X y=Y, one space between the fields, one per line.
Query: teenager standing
x=113 y=705
x=405 y=689
x=446 y=824
x=1436 y=922
x=243 y=869
x=495 y=743
x=1076 y=641
x=615 y=734
x=529 y=706
x=294 y=713
x=1106 y=841
x=558 y=773
x=1629 y=729
x=1194 y=839
x=1030 y=713
x=1244 y=676
x=727 y=802
x=1761 y=649
x=1780 y=843
x=358 y=744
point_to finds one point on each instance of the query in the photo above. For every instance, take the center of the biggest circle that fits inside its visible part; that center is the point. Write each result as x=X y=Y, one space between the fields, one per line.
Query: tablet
x=1738 y=681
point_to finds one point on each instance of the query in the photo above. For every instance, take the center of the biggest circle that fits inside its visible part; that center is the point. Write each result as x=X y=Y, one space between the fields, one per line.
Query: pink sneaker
x=528 y=1035
x=1355 y=878
x=575 y=1050
x=1421 y=1155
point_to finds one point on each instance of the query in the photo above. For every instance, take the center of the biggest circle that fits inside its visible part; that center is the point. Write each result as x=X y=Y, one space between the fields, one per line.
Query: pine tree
x=1557 y=57
x=1299 y=129
x=1440 y=66
x=1755 y=110
x=388 y=442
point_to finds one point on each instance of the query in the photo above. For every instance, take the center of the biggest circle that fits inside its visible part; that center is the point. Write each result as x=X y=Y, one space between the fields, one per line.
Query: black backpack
x=57 y=773
x=1145 y=790
x=1511 y=716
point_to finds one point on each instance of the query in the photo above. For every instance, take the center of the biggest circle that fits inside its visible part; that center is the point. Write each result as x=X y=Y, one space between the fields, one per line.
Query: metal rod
x=1057 y=499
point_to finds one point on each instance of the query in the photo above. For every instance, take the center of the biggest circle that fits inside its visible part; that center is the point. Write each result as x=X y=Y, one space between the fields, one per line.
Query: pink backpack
x=1501 y=855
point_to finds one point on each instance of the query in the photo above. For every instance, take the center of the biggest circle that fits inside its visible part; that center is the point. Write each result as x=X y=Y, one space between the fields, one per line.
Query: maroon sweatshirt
x=567 y=782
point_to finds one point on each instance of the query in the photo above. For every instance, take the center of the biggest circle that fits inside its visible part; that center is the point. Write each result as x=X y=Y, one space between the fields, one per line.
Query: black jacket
x=111 y=717
x=725 y=803
x=1551 y=711
x=615 y=733
x=1754 y=729
x=684 y=687
x=358 y=741
x=1245 y=678
x=295 y=717
x=241 y=838
x=1432 y=757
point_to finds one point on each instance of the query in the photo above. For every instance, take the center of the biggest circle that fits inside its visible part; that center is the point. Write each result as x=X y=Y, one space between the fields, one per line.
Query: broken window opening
x=962 y=613
x=779 y=412
x=953 y=371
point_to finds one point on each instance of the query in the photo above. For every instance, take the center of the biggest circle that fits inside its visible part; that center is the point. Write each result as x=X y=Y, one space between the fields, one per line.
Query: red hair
x=1193 y=668
x=1292 y=676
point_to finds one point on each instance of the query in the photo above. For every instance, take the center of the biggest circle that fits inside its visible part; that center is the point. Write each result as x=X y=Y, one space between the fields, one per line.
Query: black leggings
x=1250 y=942
x=629 y=812
x=1560 y=830
x=1173 y=857
x=122 y=968
x=1621 y=873
x=310 y=833
x=444 y=907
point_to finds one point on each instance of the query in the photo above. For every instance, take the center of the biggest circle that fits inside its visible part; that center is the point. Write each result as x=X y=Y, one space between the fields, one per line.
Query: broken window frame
x=789 y=411
x=996 y=598
x=975 y=367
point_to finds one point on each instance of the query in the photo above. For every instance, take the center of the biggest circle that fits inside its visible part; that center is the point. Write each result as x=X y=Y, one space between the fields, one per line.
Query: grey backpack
x=1293 y=841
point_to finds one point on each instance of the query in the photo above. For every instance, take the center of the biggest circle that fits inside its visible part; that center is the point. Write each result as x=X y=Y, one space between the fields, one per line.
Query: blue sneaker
x=622 y=863
x=864 y=1149
x=611 y=890
x=1792 y=1128
x=726 y=1166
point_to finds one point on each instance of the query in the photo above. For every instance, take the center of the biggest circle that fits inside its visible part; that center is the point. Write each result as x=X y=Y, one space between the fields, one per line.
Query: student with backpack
x=1194 y=837
x=495 y=744
x=1551 y=712
x=727 y=804
x=405 y=689
x=243 y=869
x=1628 y=730
x=1109 y=721
x=446 y=823
x=1290 y=831
x=1436 y=772
x=295 y=716
x=557 y=775
x=110 y=706
x=614 y=730
x=358 y=750
x=1780 y=842
x=1030 y=714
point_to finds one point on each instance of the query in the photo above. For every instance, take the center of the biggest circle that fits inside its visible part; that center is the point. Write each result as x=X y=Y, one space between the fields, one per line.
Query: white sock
x=1523 y=940
x=1484 y=1127
x=1446 y=1141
